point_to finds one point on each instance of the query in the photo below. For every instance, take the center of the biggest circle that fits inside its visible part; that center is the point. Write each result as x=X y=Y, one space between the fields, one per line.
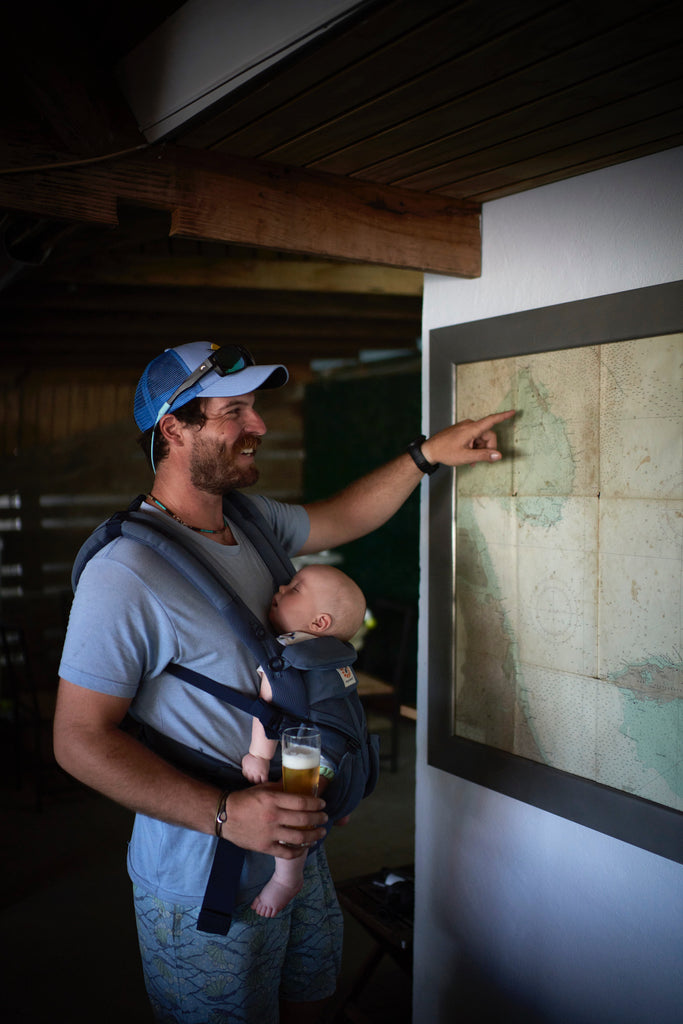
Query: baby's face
x=294 y=607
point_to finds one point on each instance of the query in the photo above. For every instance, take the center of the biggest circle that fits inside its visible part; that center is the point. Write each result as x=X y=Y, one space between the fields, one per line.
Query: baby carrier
x=312 y=682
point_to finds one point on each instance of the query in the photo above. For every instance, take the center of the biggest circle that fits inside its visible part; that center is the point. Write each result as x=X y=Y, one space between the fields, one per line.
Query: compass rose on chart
x=554 y=610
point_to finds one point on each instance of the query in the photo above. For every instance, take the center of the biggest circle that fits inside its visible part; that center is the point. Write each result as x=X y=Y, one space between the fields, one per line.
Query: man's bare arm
x=368 y=503
x=90 y=745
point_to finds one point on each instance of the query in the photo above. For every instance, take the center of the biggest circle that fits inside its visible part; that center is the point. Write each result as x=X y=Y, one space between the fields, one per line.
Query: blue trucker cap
x=167 y=373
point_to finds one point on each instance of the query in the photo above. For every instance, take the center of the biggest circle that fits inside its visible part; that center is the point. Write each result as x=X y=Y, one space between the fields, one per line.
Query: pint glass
x=301 y=760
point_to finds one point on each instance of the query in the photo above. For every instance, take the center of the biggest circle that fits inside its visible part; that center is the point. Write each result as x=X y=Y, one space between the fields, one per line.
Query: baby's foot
x=273 y=897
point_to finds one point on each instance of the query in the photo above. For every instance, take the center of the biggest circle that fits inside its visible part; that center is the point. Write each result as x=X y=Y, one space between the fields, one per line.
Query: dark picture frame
x=641 y=313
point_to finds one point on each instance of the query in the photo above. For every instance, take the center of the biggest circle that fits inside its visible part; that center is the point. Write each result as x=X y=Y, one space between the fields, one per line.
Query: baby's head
x=320 y=600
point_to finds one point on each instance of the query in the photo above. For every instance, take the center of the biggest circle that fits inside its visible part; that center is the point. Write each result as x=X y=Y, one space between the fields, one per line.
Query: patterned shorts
x=196 y=978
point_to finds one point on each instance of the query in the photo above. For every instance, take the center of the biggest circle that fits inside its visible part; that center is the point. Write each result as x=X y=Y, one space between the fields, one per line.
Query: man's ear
x=171 y=429
x=321 y=623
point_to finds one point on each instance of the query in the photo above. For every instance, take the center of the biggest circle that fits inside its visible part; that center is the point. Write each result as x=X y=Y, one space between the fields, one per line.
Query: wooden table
x=386 y=913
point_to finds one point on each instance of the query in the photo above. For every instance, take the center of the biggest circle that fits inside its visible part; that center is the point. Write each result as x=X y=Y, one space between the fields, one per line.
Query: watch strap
x=415 y=452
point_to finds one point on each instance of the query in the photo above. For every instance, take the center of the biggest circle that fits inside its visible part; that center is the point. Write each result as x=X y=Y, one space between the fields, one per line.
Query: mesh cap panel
x=161 y=378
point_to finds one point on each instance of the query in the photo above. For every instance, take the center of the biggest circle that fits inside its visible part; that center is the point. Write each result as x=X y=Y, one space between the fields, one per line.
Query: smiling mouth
x=249 y=446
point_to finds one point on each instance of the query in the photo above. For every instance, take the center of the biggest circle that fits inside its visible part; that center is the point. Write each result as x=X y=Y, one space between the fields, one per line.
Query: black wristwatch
x=415 y=452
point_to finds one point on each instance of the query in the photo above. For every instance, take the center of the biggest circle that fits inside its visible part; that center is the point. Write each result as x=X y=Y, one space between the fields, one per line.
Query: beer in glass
x=301 y=760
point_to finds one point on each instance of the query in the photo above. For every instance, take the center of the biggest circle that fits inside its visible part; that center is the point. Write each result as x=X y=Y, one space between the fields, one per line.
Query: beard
x=214 y=467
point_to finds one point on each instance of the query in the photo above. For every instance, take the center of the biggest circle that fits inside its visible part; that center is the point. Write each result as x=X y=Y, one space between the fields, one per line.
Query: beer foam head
x=300 y=758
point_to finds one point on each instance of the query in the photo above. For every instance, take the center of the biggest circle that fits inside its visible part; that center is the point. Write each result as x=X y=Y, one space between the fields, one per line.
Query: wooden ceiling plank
x=265 y=205
x=404 y=66
x=483 y=97
x=106 y=311
x=653 y=136
x=377 y=27
x=133 y=349
x=597 y=164
x=133 y=337
x=611 y=119
x=133 y=359
x=251 y=335
x=311 y=276
x=30 y=301
x=420 y=108
x=485 y=121
x=473 y=59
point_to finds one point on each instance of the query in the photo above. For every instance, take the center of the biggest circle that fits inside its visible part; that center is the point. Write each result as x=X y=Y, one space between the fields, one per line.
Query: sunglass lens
x=231 y=358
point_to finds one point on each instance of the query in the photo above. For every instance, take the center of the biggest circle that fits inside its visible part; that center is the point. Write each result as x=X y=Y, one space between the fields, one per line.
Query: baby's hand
x=255 y=768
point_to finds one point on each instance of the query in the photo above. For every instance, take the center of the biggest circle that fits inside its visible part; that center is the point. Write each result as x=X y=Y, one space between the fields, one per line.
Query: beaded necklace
x=197 y=529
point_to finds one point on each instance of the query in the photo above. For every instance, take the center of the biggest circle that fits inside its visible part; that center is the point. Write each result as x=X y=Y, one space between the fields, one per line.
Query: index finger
x=491 y=421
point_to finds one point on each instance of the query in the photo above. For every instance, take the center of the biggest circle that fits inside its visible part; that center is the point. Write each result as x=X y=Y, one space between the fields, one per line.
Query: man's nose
x=255 y=423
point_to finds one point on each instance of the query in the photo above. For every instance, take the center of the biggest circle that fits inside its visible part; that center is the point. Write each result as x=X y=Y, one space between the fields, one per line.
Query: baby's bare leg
x=256 y=763
x=283 y=886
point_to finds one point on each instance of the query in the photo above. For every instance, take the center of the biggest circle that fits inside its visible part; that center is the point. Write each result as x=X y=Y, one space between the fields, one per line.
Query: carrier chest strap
x=272 y=717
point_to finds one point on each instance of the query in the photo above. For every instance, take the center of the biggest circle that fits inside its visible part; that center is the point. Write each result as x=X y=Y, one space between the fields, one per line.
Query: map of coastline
x=568 y=565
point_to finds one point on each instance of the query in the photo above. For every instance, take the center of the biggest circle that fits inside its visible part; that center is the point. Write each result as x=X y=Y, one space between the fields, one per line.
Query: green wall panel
x=351 y=426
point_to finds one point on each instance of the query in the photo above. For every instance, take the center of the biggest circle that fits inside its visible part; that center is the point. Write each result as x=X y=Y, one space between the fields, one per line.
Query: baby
x=318 y=601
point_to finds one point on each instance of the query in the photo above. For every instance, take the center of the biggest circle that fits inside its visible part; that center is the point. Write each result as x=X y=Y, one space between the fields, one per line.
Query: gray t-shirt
x=133 y=614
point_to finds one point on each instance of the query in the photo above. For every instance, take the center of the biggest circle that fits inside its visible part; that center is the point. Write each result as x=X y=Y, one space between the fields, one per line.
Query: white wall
x=521 y=915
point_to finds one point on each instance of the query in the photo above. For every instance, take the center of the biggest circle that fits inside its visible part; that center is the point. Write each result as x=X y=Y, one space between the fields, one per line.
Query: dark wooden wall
x=68 y=458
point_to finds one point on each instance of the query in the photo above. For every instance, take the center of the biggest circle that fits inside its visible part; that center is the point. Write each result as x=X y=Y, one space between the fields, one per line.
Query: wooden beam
x=34 y=296
x=268 y=205
x=68 y=350
x=249 y=273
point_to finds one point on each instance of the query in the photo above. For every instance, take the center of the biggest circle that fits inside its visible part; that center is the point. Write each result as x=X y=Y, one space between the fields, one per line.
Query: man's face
x=224 y=449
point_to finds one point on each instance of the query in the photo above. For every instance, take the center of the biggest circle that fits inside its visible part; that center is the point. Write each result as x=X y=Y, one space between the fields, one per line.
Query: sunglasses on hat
x=223 y=361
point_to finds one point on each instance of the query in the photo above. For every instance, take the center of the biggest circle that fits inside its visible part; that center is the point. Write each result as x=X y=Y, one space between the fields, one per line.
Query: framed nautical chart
x=555 y=640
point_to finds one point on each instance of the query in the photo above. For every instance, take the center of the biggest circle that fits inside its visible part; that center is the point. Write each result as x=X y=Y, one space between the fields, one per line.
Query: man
x=132 y=615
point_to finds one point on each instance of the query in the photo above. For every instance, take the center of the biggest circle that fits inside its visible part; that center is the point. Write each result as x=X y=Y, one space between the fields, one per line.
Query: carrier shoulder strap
x=198 y=570
x=250 y=519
